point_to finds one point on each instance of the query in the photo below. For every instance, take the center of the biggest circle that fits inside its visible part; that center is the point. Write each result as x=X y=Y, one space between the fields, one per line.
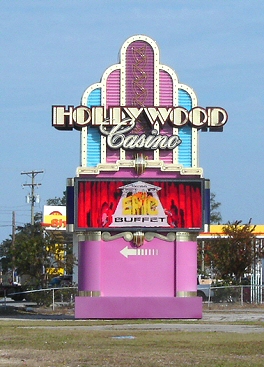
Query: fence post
x=53 y=300
x=5 y=298
x=209 y=297
x=242 y=295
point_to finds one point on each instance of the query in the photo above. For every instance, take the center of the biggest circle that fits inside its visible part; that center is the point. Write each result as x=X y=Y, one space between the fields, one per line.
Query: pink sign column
x=186 y=265
x=89 y=268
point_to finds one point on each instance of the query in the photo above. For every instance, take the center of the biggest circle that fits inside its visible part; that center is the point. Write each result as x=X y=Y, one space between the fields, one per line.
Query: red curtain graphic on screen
x=113 y=204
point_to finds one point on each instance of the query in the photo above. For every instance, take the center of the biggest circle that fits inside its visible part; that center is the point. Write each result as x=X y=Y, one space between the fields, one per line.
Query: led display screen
x=125 y=204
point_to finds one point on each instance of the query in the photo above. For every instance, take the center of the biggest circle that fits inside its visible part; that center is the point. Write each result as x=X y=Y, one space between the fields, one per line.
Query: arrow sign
x=138 y=252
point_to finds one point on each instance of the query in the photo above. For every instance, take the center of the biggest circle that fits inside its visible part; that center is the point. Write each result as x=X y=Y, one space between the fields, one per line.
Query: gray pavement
x=186 y=327
x=233 y=320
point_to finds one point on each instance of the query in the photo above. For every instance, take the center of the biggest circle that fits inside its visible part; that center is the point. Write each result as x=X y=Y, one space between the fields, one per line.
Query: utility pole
x=13 y=243
x=32 y=198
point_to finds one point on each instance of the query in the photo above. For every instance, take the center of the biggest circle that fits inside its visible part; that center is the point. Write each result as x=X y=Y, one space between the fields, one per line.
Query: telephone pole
x=13 y=243
x=32 y=198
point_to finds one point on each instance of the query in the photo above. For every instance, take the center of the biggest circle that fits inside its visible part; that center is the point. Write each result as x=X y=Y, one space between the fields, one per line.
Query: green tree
x=35 y=250
x=58 y=201
x=232 y=255
x=215 y=215
x=5 y=254
x=204 y=257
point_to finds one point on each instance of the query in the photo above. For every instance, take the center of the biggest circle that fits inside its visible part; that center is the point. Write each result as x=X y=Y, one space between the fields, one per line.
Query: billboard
x=54 y=217
x=114 y=204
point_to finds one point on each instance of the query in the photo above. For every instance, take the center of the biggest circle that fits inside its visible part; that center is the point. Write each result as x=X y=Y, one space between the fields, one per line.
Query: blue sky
x=51 y=51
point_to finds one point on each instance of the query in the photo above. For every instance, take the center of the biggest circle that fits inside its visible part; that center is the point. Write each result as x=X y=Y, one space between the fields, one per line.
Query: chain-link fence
x=242 y=294
x=49 y=297
x=65 y=296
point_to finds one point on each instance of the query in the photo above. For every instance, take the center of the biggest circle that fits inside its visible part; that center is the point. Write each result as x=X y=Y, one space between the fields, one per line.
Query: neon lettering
x=213 y=118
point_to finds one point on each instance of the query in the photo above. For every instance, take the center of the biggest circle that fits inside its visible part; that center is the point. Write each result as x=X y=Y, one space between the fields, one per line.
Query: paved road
x=233 y=315
x=186 y=327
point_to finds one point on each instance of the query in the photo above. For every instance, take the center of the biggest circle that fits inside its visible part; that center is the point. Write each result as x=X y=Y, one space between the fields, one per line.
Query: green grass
x=64 y=343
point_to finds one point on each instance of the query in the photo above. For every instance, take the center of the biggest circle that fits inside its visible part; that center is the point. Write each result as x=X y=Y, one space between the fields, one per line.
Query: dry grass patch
x=27 y=343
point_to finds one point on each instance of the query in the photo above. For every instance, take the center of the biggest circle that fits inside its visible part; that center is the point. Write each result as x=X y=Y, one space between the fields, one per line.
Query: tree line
x=37 y=253
x=230 y=256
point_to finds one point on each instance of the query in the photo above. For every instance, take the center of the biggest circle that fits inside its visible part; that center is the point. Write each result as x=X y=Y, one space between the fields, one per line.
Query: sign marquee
x=139 y=105
x=164 y=204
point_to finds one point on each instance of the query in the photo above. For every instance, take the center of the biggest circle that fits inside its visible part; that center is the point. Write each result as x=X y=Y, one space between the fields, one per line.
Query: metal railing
x=240 y=294
x=47 y=296
x=65 y=296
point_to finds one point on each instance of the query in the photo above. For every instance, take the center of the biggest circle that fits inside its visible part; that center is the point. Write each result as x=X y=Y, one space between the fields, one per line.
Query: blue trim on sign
x=185 y=133
x=93 y=134
x=94 y=98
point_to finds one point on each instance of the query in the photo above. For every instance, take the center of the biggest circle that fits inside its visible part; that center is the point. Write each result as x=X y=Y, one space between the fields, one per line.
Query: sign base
x=138 y=308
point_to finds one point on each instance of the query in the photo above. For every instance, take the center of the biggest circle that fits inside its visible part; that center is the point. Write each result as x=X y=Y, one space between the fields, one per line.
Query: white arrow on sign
x=138 y=252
